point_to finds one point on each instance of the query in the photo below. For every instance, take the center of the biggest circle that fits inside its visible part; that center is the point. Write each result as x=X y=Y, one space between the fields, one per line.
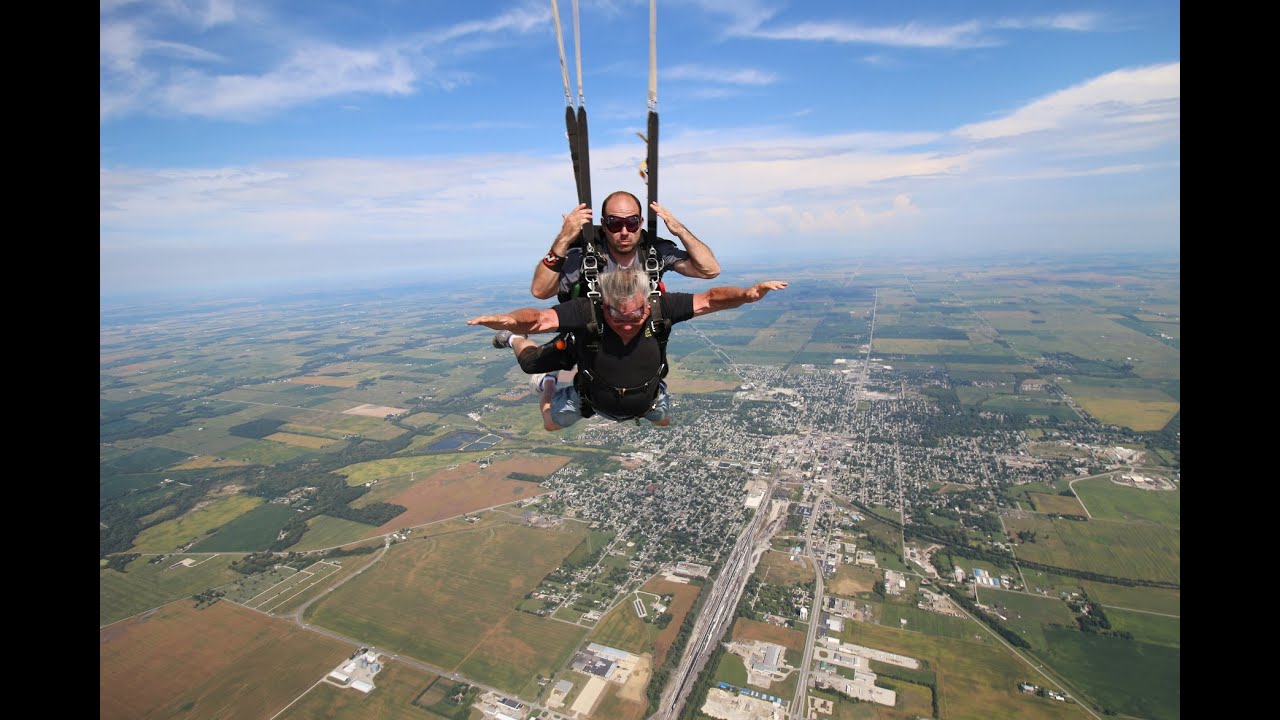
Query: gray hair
x=619 y=284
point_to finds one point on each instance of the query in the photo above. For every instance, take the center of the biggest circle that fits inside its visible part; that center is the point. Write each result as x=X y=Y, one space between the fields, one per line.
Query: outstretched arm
x=702 y=262
x=727 y=296
x=546 y=279
x=522 y=321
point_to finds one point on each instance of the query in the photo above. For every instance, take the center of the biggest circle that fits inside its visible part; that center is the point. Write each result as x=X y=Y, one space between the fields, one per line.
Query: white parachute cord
x=564 y=70
x=577 y=51
x=653 y=55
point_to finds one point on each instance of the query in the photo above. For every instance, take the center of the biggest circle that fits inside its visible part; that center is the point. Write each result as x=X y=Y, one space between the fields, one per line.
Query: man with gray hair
x=620 y=376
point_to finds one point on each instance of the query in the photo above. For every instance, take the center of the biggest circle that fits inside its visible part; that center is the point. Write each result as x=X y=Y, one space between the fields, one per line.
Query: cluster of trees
x=266 y=560
x=662 y=620
x=208 y=597
x=118 y=562
x=772 y=599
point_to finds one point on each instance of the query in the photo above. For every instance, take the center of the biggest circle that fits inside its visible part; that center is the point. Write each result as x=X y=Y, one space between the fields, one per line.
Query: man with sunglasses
x=623 y=380
x=561 y=268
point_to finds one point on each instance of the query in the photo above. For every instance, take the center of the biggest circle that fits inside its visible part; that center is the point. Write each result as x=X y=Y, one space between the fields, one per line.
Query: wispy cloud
x=151 y=60
x=728 y=76
x=1080 y=22
x=751 y=21
x=313 y=73
x=1129 y=108
x=963 y=35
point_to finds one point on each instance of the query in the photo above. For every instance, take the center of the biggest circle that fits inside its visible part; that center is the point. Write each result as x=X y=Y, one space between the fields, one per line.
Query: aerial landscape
x=975 y=466
x=935 y=473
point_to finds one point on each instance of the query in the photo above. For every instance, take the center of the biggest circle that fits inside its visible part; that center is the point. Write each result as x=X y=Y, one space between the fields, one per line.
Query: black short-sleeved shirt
x=572 y=270
x=623 y=366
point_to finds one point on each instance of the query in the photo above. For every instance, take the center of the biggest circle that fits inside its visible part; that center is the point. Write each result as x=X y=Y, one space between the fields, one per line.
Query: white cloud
x=729 y=76
x=739 y=189
x=310 y=74
x=144 y=68
x=961 y=35
x=1080 y=22
x=1132 y=107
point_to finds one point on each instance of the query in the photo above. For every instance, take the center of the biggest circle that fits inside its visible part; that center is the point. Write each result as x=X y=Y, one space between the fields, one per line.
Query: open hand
x=494 y=322
x=675 y=226
x=759 y=290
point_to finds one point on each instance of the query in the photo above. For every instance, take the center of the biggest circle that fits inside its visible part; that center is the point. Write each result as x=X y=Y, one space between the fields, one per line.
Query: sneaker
x=502 y=339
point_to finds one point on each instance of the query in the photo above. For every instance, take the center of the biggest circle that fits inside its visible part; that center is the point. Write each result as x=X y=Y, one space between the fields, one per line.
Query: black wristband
x=553 y=261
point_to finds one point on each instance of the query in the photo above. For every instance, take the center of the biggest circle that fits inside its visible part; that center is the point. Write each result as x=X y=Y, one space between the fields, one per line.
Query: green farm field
x=320 y=584
x=1150 y=599
x=326 y=532
x=146 y=585
x=930 y=623
x=623 y=629
x=221 y=661
x=1059 y=504
x=402 y=468
x=1125 y=550
x=1132 y=678
x=436 y=598
x=975 y=680
x=172 y=534
x=1128 y=404
x=591 y=544
x=1112 y=501
x=1028 y=615
x=1085 y=333
x=1146 y=627
x=253 y=531
x=517 y=650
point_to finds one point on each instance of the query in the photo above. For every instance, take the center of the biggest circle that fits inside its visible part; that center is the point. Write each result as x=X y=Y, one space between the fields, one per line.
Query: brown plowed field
x=684 y=595
x=466 y=488
x=218 y=662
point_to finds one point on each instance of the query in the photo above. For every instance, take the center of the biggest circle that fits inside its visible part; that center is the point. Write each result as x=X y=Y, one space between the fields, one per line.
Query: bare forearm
x=522 y=321
x=546 y=279
x=701 y=258
x=546 y=282
x=701 y=263
x=726 y=297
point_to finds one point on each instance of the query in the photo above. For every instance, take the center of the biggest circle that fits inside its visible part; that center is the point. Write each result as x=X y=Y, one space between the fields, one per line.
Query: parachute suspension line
x=653 y=56
x=651 y=164
x=577 y=53
x=564 y=70
x=570 y=119
x=584 y=153
x=576 y=130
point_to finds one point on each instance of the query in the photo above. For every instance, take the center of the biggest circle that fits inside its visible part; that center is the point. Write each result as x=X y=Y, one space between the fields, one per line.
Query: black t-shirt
x=571 y=273
x=624 y=375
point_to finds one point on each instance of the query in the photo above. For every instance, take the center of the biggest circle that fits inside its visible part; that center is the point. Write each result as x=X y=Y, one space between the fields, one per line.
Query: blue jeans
x=566 y=406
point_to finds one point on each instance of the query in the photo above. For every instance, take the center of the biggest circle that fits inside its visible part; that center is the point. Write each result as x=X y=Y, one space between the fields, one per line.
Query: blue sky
x=248 y=144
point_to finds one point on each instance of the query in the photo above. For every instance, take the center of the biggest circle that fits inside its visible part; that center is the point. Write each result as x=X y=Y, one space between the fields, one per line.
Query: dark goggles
x=614 y=223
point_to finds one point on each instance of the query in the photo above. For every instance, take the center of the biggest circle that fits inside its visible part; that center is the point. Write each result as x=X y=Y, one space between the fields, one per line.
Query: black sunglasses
x=615 y=223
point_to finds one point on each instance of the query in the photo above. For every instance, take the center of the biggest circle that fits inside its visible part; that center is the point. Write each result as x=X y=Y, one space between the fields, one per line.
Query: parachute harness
x=579 y=152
